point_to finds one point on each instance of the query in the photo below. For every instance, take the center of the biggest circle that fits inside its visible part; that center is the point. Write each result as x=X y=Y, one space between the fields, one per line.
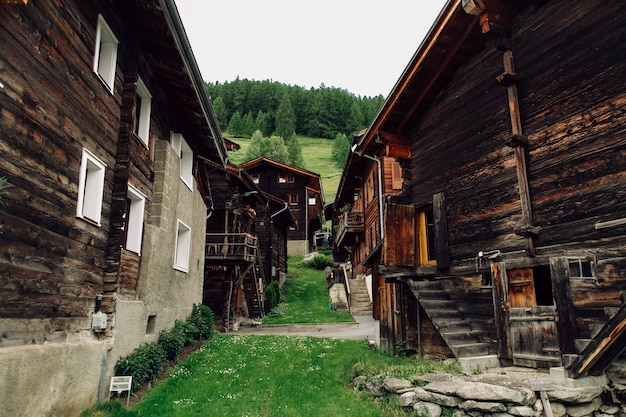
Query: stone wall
x=501 y=392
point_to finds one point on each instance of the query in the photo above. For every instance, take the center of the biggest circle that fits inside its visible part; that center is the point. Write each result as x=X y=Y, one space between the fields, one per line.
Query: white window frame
x=105 y=56
x=90 y=188
x=182 y=250
x=312 y=201
x=143 y=129
x=185 y=153
x=134 y=219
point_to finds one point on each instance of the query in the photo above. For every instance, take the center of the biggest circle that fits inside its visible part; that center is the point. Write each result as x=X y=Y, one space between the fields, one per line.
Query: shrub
x=272 y=296
x=202 y=317
x=143 y=364
x=320 y=262
x=172 y=342
x=189 y=331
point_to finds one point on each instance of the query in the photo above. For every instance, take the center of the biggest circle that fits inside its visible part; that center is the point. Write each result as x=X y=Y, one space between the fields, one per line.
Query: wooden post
x=562 y=293
x=500 y=309
x=509 y=80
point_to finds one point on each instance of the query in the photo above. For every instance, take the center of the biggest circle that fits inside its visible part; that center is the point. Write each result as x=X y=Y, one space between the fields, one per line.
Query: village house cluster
x=484 y=206
x=123 y=210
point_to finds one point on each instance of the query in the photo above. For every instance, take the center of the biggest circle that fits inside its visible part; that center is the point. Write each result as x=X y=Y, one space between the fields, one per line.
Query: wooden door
x=532 y=328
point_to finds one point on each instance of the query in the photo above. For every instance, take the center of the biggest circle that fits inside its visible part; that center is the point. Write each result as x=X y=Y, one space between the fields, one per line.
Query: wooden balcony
x=350 y=224
x=230 y=248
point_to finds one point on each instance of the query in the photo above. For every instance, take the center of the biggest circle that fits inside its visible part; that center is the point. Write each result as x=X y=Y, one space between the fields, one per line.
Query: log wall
x=51 y=107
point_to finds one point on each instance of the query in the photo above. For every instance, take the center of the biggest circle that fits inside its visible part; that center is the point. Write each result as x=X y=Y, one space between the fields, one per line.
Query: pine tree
x=235 y=125
x=262 y=122
x=247 y=125
x=294 y=149
x=340 y=150
x=220 y=112
x=285 y=119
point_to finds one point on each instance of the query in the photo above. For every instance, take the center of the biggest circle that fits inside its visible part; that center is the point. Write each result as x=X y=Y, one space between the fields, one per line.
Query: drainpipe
x=380 y=193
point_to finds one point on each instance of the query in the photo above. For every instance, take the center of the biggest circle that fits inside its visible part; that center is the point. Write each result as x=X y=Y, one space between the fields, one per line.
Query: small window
x=396 y=175
x=293 y=199
x=183 y=245
x=133 y=225
x=312 y=200
x=90 y=188
x=105 y=57
x=282 y=179
x=581 y=268
x=186 y=158
x=291 y=179
x=256 y=178
x=426 y=237
x=143 y=108
x=151 y=324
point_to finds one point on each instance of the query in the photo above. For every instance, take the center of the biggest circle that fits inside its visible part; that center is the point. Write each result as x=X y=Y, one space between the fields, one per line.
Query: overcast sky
x=361 y=46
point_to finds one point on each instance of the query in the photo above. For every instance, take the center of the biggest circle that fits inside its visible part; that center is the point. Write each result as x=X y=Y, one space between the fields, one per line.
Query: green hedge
x=145 y=362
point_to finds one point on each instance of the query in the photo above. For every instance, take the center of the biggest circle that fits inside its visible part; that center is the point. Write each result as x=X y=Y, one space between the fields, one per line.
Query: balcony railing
x=350 y=224
x=230 y=247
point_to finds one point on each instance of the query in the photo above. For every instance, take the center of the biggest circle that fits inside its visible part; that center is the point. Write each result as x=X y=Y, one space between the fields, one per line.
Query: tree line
x=243 y=106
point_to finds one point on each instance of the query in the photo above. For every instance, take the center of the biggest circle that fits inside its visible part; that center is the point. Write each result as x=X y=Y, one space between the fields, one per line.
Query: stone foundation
x=502 y=392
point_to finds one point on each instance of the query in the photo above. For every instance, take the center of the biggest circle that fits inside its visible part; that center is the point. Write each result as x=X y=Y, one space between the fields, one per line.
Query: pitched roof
x=314 y=180
x=158 y=27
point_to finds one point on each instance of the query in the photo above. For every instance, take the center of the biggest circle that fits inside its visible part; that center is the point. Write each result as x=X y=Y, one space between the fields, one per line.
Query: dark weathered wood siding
x=573 y=111
x=53 y=106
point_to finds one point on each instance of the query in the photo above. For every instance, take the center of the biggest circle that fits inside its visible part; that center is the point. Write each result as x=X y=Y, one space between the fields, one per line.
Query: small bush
x=188 y=330
x=272 y=296
x=172 y=342
x=320 y=262
x=143 y=364
x=202 y=317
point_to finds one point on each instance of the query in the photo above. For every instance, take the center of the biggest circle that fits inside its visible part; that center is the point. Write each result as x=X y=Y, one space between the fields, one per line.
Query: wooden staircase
x=253 y=284
x=359 y=299
x=463 y=317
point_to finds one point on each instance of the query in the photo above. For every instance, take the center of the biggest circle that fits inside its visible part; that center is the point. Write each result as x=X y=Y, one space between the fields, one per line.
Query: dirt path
x=363 y=329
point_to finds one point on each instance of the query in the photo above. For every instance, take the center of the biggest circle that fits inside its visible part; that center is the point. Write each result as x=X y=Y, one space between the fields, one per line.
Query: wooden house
x=246 y=244
x=103 y=119
x=301 y=189
x=502 y=223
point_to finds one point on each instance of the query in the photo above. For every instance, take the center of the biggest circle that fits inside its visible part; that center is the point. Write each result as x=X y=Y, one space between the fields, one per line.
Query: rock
x=427 y=409
x=523 y=411
x=375 y=385
x=448 y=387
x=581 y=410
x=575 y=395
x=405 y=400
x=482 y=406
x=433 y=397
x=609 y=409
x=394 y=385
x=487 y=392
x=558 y=409
x=459 y=413
x=359 y=381
x=434 y=377
x=501 y=415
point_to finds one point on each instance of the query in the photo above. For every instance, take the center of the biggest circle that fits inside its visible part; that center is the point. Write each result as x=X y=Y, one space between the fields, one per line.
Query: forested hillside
x=243 y=106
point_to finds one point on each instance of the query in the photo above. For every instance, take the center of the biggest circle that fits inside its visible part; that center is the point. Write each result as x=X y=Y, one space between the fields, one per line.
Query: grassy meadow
x=306 y=299
x=277 y=376
x=316 y=153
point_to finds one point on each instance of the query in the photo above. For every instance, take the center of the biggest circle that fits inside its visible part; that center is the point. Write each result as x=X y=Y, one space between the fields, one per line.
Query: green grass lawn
x=306 y=299
x=277 y=376
x=273 y=376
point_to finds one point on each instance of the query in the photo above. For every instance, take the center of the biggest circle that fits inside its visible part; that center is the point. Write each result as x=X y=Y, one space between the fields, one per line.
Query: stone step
x=475 y=364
